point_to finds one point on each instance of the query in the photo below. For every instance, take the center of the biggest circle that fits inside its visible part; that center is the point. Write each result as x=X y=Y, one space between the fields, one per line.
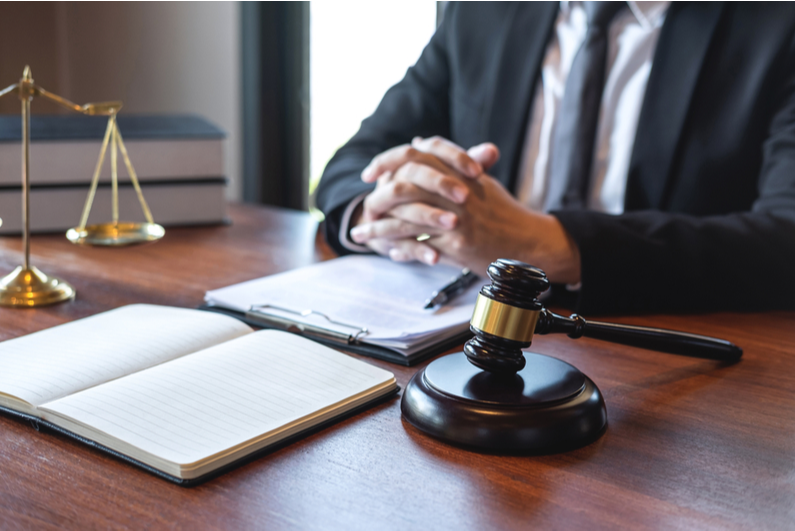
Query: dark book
x=133 y=127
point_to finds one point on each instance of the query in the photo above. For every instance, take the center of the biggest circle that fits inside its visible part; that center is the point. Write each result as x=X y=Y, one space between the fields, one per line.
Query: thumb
x=487 y=154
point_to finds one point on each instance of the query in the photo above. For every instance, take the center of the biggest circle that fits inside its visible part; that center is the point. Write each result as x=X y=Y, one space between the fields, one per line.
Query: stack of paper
x=372 y=299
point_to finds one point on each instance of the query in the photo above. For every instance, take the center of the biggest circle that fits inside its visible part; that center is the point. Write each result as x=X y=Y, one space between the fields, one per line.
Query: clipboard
x=351 y=342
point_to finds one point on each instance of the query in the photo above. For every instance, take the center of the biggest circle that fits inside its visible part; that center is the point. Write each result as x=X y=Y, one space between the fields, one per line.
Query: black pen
x=455 y=287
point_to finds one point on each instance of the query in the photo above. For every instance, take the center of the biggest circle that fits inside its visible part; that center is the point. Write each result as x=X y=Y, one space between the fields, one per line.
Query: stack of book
x=178 y=160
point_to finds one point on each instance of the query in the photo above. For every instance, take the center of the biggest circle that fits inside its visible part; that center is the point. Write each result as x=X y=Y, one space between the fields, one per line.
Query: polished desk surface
x=690 y=443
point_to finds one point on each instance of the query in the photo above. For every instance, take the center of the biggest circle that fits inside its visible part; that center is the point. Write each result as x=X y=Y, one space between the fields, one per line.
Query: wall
x=156 y=57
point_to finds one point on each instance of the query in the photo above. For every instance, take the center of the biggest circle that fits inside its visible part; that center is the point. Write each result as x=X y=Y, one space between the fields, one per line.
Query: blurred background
x=288 y=82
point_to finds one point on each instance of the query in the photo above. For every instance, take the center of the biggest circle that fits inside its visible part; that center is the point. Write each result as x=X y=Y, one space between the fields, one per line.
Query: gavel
x=495 y=396
x=508 y=313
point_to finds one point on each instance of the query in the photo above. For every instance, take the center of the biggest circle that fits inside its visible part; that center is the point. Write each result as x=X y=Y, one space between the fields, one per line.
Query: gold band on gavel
x=503 y=320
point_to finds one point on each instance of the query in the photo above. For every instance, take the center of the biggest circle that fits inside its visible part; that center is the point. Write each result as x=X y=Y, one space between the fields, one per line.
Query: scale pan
x=116 y=234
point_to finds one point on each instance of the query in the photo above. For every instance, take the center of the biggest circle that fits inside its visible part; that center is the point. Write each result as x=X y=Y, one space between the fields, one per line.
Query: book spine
x=61 y=162
x=58 y=209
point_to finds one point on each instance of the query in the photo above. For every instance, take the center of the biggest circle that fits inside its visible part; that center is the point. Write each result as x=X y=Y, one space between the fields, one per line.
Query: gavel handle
x=640 y=336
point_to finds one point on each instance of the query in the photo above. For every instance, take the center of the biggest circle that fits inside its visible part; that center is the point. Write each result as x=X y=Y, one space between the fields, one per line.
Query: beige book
x=73 y=161
x=181 y=392
x=59 y=209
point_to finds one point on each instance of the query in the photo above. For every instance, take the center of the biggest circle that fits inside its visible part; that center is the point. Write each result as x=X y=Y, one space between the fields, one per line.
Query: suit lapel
x=520 y=56
x=681 y=49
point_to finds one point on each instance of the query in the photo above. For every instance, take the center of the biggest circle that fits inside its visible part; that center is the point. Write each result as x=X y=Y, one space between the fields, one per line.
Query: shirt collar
x=649 y=14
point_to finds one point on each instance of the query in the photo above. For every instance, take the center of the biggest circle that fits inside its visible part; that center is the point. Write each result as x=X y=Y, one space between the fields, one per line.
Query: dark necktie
x=575 y=130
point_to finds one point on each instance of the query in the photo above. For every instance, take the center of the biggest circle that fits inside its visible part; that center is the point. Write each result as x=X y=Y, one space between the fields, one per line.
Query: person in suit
x=669 y=187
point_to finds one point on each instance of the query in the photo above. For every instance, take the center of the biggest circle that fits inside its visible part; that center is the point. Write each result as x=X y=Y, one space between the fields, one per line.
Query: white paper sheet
x=212 y=401
x=361 y=291
x=64 y=359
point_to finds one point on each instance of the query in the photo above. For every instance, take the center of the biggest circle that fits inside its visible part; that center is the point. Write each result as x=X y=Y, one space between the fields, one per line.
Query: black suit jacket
x=709 y=220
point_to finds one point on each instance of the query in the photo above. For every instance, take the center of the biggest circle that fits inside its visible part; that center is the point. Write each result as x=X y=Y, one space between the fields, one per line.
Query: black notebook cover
x=43 y=425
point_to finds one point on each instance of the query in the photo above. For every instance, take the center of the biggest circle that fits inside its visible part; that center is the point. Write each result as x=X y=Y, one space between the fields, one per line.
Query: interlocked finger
x=432 y=180
x=385 y=198
x=425 y=215
x=450 y=153
x=414 y=185
x=390 y=229
x=381 y=246
x=396 y=157
x=410 y=249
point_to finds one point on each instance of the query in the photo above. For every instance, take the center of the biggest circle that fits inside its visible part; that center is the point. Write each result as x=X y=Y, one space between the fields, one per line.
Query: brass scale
x=27 y=286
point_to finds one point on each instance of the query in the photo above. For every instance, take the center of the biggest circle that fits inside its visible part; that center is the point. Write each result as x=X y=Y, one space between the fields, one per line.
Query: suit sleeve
x=416 y=106
x=651 y=261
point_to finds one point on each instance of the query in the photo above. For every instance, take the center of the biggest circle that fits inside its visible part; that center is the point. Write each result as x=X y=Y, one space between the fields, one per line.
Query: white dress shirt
x=632 y=40
x=631 y=43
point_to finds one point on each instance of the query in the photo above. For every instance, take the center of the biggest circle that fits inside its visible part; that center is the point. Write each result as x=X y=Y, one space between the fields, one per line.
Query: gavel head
x=505 y=316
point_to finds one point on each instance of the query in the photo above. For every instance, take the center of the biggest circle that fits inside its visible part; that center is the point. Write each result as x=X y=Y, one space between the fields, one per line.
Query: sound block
x=547 y=407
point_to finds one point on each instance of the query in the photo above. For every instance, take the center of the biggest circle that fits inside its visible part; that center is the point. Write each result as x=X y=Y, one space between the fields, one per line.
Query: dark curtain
x=275 y=101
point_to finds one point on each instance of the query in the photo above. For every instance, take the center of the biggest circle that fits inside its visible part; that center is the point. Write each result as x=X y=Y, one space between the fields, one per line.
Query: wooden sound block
x=547 y=407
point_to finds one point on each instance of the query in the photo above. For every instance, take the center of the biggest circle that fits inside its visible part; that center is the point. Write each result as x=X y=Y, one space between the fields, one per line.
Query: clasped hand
x=434 y=202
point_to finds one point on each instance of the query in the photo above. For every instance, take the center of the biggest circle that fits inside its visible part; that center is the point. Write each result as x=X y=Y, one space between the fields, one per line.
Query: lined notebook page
x=64 y=359
x=200 y=405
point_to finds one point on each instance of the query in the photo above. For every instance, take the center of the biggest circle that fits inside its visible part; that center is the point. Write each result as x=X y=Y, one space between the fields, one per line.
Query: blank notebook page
x=64 y=359
x=194 y=407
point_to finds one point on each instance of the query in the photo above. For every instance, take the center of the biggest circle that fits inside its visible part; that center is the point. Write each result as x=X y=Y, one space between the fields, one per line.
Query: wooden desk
x=690 y=443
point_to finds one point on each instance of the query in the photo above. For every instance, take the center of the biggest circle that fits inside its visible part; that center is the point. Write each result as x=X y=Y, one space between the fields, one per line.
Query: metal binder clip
x=256 y=314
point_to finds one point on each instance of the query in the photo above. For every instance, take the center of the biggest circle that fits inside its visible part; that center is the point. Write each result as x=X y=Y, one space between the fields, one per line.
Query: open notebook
x=357 y=300
x=184 y=392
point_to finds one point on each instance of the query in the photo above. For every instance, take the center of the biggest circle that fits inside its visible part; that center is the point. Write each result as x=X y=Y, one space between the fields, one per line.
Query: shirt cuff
x=345 y=226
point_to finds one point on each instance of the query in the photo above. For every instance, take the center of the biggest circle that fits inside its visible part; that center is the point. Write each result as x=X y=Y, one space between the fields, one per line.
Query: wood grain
x=690 y=443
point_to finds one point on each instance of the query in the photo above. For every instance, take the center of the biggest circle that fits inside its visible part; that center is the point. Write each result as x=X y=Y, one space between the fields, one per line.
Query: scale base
x=115 y=234
x=30 y=288
x=547 y=407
